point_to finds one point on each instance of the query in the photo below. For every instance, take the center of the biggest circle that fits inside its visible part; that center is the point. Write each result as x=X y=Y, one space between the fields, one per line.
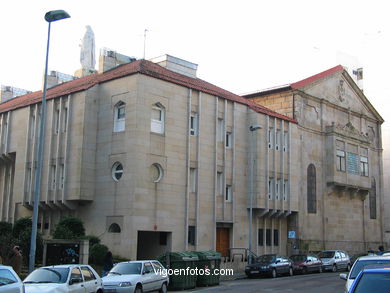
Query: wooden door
x=223 y=241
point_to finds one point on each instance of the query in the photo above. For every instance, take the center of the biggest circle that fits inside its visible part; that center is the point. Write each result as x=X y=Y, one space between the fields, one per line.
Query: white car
x=74 y=278
x=137 y=277
x=10 y=281
x=359 y=265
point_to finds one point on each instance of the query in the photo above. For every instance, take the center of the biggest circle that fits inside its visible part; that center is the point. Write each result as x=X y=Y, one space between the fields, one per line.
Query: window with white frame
x=219 y=183
x=278 y=137
x=193 y=176
x=158 y=119
x=157 y=172
x=271 y=138
x=117 y=171
x=363 y=166
x=228 y=193
x=340 y=160
x=220 y=130
x=119 y=117
x=194 y=124
x=228 y=141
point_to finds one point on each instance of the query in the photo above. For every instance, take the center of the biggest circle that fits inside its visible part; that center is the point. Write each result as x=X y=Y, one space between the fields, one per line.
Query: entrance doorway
x=151 y=244
x=223 y=241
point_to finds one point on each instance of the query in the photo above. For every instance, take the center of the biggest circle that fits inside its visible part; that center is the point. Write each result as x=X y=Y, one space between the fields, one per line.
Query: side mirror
x=343 y=276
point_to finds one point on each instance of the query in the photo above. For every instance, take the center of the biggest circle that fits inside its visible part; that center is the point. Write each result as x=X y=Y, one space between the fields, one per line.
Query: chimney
x=9 y=92
x=109 y=59
x=177 y=65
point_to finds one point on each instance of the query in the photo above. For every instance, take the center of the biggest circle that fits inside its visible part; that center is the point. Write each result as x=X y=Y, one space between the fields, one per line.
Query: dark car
x=270 y=265
x=305 y=263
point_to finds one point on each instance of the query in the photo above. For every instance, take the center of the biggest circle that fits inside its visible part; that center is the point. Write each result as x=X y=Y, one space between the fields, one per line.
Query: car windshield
x=326 y=254
x=360 y=264
x=6 y=278
x=298 y=258
x=126 y=269
x=374 y=282
x=48 y=275
x=267 y=258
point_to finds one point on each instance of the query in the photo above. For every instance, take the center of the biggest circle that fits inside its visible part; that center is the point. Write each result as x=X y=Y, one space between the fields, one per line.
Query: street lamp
x=252 y=129
x=49 y=17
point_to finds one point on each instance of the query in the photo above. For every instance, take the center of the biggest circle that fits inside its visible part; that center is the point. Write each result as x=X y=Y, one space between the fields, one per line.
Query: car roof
x=374 y=257
x=382 y=269
x=5 y=267
x=139 y=261
x=65 y=266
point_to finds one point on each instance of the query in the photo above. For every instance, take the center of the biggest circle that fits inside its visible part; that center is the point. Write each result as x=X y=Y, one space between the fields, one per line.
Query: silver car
x=334 y=260
x=10 y=281
x=136 y=277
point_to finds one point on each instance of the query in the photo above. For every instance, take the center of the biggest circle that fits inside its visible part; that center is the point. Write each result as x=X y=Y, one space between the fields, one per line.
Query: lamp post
x=252 y=129
x=49 y=17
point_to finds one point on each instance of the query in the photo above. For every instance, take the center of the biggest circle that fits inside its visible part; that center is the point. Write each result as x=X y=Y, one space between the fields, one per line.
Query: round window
x=117 y=171
x=156 y=172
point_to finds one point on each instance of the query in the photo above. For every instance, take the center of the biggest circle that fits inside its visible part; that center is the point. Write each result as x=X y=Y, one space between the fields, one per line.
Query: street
x=312 y=283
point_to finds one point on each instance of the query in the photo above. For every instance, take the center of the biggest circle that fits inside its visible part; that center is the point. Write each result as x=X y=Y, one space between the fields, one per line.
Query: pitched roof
x=142 y=67
x=296 y=85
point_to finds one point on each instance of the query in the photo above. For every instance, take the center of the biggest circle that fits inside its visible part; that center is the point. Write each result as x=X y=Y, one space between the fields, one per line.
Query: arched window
x=157 y=119
x=119 y=117
x=117 y=171
x=157 y=172
x=373 y=199
x=114 y=228
x=311 y=189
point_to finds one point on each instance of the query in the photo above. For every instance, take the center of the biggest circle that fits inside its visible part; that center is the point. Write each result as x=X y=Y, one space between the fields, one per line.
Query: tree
x=69 y=228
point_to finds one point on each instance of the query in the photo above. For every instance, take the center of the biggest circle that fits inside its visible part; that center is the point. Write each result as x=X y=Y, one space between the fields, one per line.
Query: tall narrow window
x=276 y=237
x=56 y=120
x=53 y=176
x=270 y=188
x=373 y=199
x=193 y=180
x=191 y=235
x=268 y=240
x=62 y=176
x=32 y=125
x=228 y=193
x=311 y=189
x=364 y=166
x=285 y=189
x=353 y=163
x=194 y=124
x=28 y=179
x=278 y=188
x=228 y=141
x=117 y=171
x=158 y=119
x=119 y=117
x=271 y=138
x=260 y=237
x=285 y=141
x=64 y=119
x=277 y=143
x=340 y=160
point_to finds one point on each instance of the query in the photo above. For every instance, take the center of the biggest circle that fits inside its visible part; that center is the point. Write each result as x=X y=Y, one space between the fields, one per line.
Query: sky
x=241 y=46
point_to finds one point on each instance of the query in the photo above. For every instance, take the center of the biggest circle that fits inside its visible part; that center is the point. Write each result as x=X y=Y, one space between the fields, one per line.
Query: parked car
x=372 y=280
x=73 y=278
x=136 y=276
x=306 y=263
x=271 y=265
x=10 y=281
x=335 y=260
x=359 y=265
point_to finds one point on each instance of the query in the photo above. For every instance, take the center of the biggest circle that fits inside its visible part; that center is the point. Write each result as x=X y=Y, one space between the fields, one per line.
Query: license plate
x=254 y=272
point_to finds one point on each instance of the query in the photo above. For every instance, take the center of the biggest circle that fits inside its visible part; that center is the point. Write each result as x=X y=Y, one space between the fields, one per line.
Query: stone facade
x=152 y=160
x=341 y=205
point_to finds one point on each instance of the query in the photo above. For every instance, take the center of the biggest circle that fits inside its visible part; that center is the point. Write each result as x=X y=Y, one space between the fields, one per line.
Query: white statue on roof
x=87 y=52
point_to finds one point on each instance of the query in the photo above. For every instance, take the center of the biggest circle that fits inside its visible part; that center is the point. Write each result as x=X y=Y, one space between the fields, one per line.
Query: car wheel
x=138 y=289
x=163 y=288
x=304 y=271
x=290 y=271
x=274 y=274
x=334 y=268
x=348 y=267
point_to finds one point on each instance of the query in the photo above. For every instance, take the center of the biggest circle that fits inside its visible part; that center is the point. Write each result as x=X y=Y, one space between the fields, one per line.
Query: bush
x=97 y=254
x=92 y=240
x=69 y=228
x=5 y=228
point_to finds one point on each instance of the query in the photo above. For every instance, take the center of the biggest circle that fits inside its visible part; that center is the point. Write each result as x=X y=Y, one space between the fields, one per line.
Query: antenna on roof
x=145 y=42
